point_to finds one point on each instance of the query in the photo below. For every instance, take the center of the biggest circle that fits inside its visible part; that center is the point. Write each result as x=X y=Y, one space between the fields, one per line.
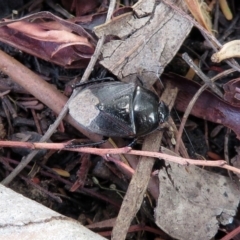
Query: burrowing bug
x=117 y=109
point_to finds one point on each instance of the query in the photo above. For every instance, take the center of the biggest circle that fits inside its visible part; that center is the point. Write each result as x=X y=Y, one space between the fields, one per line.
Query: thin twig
x=186 y=114
x=191 y=104
x=226 y=154
x=127 y=170
x=230 y=28
x=199 y=72
x=125 y=150
x=39 y=130
x=232 y=234
x=64 y=111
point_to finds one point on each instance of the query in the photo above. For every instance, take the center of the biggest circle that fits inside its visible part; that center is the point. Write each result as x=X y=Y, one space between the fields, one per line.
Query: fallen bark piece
x=193 y=202
x=146 y=44
x=22 y=218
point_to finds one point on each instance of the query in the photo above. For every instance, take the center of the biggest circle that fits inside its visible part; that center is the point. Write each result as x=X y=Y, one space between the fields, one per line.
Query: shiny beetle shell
x=117 y=109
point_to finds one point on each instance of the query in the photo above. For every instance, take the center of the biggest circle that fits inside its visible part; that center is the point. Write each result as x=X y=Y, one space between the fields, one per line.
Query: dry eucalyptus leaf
x=199 y=10
x=193 y=202
x=58 y=41
x=146 y=44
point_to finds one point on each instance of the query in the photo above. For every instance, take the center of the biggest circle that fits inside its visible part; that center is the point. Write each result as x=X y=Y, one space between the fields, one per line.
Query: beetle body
x=117 y=109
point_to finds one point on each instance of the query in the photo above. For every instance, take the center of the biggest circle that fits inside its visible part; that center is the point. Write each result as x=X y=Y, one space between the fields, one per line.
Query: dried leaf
x=193 y=202
x=146 y=44
x=52 y=41
x=61 y=172
x=199 y=10
x=44 y=33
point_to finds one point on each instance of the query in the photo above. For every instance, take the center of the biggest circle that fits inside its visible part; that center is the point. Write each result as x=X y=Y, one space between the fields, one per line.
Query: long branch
x=125 y=150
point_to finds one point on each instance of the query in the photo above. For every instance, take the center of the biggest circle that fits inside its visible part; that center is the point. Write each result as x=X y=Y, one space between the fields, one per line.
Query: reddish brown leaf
x=54 y=41
x=208 y=106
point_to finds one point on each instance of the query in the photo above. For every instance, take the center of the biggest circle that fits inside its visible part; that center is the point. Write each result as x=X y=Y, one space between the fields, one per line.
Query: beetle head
x=163 y=112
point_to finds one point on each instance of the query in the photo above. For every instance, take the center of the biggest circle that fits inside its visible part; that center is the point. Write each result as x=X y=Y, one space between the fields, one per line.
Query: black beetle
x=117 y=109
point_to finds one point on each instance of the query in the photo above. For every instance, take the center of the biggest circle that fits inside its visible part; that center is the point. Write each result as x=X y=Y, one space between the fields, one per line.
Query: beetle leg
x=134 y=141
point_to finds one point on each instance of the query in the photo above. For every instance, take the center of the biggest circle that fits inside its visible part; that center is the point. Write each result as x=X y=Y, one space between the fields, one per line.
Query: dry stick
x=199 y=72
x=226 y=154
x=186 y=114
x=195 y=97
x=39 y=130
x=64 y=111
x=223 y=74
x=139 y=182
x=126 y=150
x=128 y=171
x=192 y=102
x=229 y=29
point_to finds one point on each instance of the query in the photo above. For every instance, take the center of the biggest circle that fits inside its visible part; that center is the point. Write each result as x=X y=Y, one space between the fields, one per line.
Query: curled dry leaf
x=200 y=11
x=229 y=50
x=39 y=32
x=52 y=41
